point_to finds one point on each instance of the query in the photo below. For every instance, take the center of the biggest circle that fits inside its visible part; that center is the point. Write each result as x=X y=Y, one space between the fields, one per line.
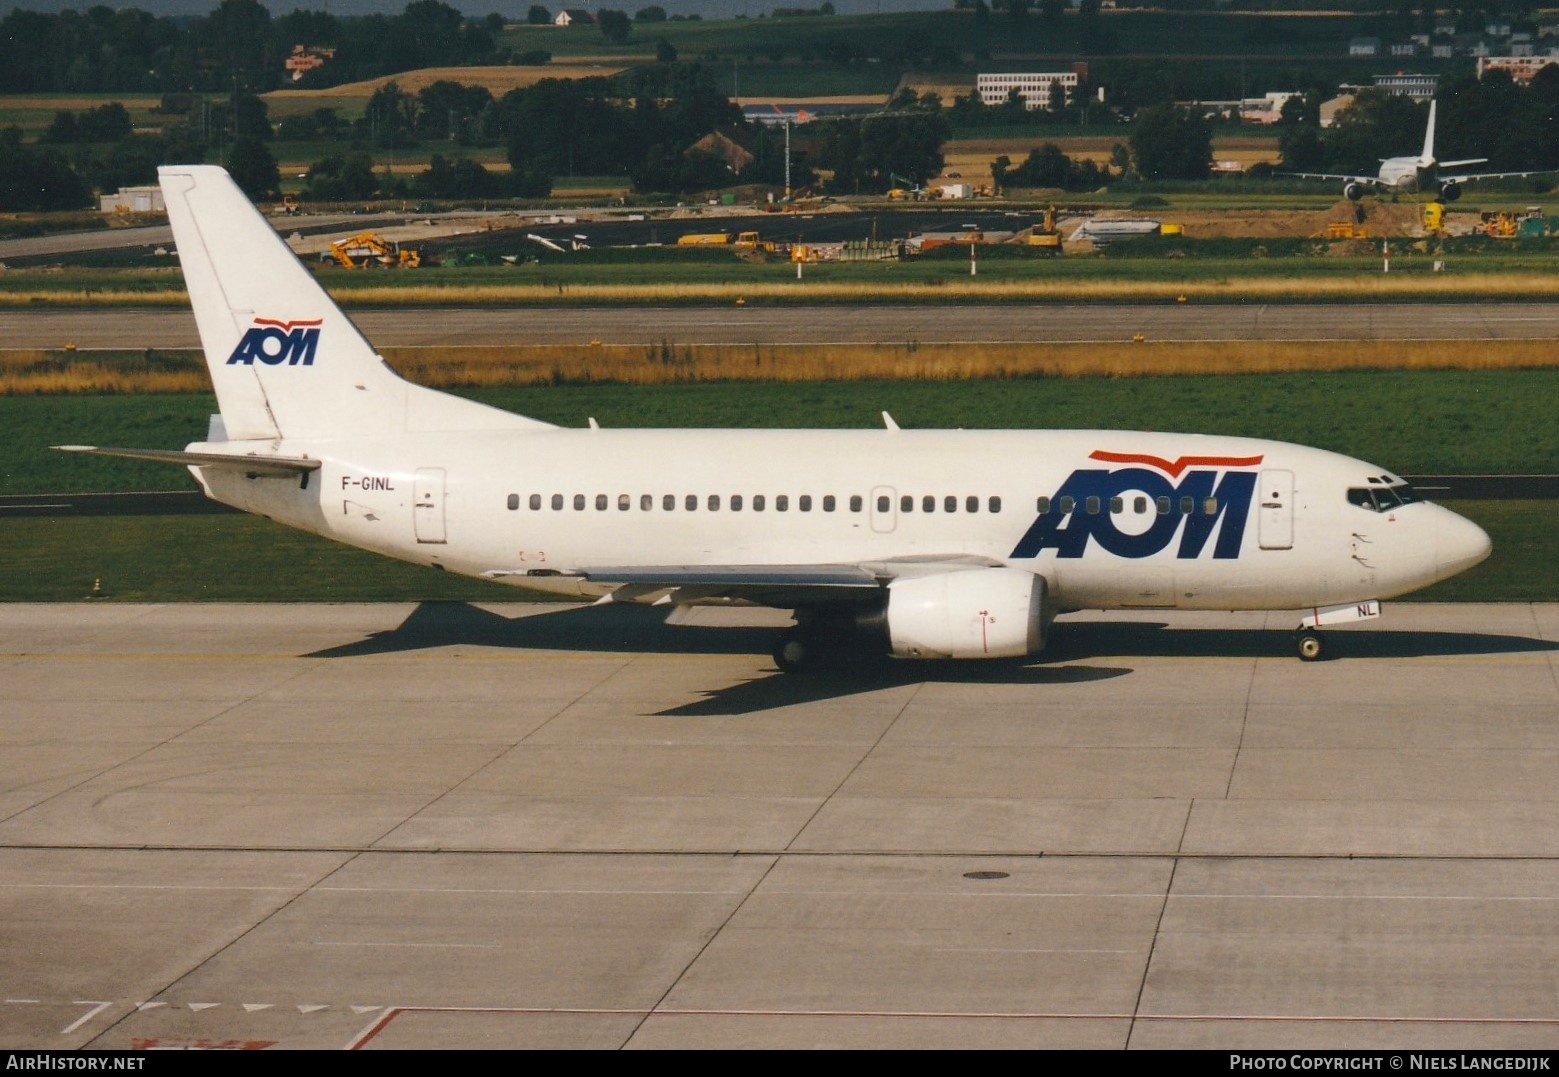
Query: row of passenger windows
x=1139 y=505
x=758 y=503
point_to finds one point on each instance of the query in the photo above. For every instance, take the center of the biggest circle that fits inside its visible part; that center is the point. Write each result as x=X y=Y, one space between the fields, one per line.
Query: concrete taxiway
x=510 y=825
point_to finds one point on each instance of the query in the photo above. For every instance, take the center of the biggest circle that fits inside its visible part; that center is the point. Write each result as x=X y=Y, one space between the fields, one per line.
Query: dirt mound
x=1375 y=217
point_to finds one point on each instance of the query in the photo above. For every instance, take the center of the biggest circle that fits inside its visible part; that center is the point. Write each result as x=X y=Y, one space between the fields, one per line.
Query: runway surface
x=391 y=826
x=107 y=328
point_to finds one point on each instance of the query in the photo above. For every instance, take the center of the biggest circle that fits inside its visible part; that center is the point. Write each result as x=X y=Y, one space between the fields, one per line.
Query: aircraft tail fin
x=1427 y=157
x=284 y=360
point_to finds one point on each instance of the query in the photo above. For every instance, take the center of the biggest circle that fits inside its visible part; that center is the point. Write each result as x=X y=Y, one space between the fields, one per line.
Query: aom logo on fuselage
x=275 y=343
x=1191 y=497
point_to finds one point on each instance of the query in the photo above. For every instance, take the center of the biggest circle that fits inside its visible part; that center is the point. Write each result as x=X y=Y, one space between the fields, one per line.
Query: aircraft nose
x=1460 y=544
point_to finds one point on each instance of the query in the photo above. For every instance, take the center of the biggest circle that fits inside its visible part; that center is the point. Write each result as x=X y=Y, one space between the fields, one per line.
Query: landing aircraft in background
x=1411 y=175
x=945 y=543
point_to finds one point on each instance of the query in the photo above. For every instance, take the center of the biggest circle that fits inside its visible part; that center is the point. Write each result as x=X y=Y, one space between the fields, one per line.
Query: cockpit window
x=1382 y=498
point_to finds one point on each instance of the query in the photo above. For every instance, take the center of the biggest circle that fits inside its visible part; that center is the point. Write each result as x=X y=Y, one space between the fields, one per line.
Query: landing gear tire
x=1310 y=646
x=795 y=652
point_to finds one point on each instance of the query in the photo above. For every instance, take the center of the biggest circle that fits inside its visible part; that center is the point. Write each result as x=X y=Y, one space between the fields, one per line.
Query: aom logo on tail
x=1191 y=497
x=275 y=343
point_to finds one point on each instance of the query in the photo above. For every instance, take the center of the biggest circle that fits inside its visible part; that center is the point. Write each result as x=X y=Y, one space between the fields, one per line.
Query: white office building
x=1034 y=88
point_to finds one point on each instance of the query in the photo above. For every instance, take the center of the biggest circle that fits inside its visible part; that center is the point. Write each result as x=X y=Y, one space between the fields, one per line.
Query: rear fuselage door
x=427 y=512
x=1276 y=522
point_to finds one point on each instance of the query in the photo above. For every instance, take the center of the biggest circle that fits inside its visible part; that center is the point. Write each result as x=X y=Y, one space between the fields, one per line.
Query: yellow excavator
x=368 y=249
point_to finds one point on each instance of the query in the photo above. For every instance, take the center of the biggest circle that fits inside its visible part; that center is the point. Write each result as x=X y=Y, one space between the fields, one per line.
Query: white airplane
x=946 y=543
x=1410 y=175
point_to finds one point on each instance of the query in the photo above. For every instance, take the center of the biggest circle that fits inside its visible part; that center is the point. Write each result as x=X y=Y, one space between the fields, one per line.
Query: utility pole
x=787 y=160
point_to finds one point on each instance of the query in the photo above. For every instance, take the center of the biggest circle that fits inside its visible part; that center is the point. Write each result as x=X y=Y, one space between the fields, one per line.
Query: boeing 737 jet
x=936 y=543
x=1411 y=175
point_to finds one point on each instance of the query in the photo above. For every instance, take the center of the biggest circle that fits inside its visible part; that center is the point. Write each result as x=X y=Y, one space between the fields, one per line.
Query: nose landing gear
x=1309 y=645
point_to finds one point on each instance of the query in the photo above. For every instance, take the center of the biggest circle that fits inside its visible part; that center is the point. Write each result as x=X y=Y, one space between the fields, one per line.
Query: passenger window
x=757 y=502
x=1042 y=505
x=1117 y=506
x=1068 y=503
x=691 y=502
x=828 y=502
x=781 y=502
x=1187 y=506
x=624 y=502
x=949 y=504
x=1210 y=506
x=971 y=504
x=855 y=502
x=804 y=502
x=882 y=502
x=514 y=502
x=995 y=504
x=928 y=503
x=906 y=503
x=600 y=502
x=579 y=502
x=557 y=502
x=736 y=502
x=1162 y=504
x=714 y=502
x=1093 y=505
x=668 y=502
x=535 y=502
x=1139 y=505
x=646 y=502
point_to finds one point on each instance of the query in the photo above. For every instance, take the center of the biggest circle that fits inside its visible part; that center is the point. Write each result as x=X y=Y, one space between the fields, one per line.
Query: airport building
x=1035 y=88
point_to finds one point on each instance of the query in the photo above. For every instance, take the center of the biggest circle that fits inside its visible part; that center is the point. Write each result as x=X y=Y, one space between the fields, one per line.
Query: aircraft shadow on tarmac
x=636 y=629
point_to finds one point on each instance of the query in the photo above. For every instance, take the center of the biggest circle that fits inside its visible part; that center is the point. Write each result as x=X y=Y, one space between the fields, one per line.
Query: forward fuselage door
x=884 y=510
x=427 y=513
x=1276 y=522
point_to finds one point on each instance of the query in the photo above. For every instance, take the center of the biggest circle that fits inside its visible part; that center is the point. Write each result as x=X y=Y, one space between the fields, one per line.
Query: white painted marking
x=198 y=1006
x=312 y=1008
x=97 y=1008
x=151 y=1005
x=254 y=1007
x=360 y=1010
x=30 y=1001
x=418 y=945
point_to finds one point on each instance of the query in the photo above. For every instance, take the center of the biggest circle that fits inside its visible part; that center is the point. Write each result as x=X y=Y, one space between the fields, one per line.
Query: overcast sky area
x=513 y=10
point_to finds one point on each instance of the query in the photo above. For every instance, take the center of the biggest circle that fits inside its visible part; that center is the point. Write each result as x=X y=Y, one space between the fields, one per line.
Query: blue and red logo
x=1190 y=497
x=277 y=343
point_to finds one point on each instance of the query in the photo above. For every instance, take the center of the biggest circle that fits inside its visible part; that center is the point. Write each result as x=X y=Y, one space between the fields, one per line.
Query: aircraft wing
x=249 y=464
x=1373 y=181
x=778 y=586
x=1471 y=176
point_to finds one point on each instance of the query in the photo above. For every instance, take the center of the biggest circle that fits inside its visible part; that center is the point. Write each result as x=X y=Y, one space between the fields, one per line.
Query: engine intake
x=981 y=613
x=1450 y=192
x=1353 y=191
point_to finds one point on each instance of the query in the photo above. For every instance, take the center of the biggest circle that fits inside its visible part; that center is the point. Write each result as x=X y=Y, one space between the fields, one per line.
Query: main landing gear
x=826 y=638
x=1309 y=645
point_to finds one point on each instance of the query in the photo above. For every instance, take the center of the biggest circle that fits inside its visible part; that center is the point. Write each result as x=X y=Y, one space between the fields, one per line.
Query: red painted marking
x=1177 y=466
x=288 y=325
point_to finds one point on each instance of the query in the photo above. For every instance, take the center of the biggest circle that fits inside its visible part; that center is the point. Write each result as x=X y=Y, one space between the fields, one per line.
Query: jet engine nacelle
x=982 y=613
x=1353 y=191
x=1450 y=192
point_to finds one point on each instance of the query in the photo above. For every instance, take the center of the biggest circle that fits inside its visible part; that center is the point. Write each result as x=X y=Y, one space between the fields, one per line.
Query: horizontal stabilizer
x=250 y=464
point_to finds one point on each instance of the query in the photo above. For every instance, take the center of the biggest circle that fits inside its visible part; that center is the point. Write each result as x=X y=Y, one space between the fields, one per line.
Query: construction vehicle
x=905 y=188
x=749 y=241
x=704 y=239
x=1046 y=235
x=369 y=249
x=289 y=206
x=1509 y=224
x=1434 y=218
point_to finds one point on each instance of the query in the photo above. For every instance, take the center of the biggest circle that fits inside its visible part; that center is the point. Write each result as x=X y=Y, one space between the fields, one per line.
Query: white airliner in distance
x=1411 y=175
x=935 y=544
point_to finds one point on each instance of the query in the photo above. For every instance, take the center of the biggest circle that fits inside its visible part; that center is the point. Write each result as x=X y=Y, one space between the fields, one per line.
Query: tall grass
x=27 y=372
